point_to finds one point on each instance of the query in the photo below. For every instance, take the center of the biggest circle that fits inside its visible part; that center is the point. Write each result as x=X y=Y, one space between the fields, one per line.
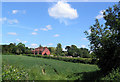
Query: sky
x=50 y=23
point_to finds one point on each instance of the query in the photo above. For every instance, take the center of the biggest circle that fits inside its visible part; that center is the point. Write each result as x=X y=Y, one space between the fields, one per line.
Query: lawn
x=50 y=69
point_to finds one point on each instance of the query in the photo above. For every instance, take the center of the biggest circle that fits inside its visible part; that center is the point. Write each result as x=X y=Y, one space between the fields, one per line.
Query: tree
x=12 y=48
x=67 y=48
x=18 y=51
x=52 y=50
x=105 y=41
x=73 y=50
x=27 y=50
x=40 y=45
x=5 y=49
x=21 y=48
x=59 y=49
x=85 y=53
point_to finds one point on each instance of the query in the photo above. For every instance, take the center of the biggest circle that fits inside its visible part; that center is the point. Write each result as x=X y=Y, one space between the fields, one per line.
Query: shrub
x=12 y=73
x=114 y=75
x=74 y=60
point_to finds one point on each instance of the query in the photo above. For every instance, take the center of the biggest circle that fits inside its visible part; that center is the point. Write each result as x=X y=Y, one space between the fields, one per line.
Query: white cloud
x=100 y=14
x=34 y=33
x=3 y=19
x=12 y=33
x=48 y=27
x=83 y=46
x=18 y=11
x=44 y=29
x=85 y=39
x=14 y=11
x=62 y=10
x=56 y=35
x=50 y=44
x=18 y=40
x=10 y=21
x=35 y=29
x=21 y=27
x=34 y=45
x=25 y=41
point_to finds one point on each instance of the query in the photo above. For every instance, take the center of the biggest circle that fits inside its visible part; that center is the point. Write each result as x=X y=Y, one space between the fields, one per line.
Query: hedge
x=66 y=59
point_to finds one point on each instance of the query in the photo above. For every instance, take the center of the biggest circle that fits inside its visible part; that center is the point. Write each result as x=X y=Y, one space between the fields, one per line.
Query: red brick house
x=41 y=50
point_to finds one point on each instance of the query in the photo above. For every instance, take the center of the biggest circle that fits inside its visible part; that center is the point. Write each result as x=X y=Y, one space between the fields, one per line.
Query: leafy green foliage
x=105 y=39
x=114 y=75
x=10 y=72
x=52 y=50
x=12 y=48
x=59 y=49
x=67 y=59
x=74 y=51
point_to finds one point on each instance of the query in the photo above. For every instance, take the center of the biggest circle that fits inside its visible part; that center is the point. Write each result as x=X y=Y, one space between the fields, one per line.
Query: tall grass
x=49 y=69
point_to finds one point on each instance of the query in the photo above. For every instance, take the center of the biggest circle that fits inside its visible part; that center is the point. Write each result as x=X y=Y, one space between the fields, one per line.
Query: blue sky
x=49 y=23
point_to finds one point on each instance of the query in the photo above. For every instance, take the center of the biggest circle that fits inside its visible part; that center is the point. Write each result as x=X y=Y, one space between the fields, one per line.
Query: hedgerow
x=74 y=60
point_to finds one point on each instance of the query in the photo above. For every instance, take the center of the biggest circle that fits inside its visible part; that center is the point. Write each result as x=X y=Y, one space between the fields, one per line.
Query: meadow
x=50 y=69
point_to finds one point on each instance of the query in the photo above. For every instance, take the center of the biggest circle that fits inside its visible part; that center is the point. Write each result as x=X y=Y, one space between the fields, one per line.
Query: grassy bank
x=50 y=69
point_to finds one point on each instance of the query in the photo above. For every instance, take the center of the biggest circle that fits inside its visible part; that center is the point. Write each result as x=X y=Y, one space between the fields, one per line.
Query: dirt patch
x=43 y=71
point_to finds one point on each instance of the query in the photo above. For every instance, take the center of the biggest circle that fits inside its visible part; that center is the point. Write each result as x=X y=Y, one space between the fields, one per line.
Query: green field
x=50 y=69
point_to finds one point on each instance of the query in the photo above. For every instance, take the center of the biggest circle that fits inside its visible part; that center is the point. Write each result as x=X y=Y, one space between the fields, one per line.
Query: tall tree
x=73 y=50
x=52 y=50
x=59 y=49
x=12 y=48
x=21 y=48
x=105 y=41
x=67 y=48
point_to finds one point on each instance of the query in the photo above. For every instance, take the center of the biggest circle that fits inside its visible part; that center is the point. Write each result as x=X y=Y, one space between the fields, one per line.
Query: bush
x=114 y=75
x=12 y=73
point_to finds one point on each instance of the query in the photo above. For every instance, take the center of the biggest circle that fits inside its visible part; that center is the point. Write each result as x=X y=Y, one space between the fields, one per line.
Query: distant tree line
x=12 y=48
x=72 y=50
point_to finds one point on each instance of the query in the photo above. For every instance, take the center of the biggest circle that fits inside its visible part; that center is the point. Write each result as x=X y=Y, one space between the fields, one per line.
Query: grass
x=50 y=69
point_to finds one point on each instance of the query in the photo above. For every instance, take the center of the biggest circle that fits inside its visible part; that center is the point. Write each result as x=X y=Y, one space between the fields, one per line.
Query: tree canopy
x=75 y=52
x=105 y=39
x=59 y=49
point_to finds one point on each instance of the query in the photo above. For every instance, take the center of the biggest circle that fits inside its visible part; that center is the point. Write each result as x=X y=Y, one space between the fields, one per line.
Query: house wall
x=46 y=51
x=38 y=51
